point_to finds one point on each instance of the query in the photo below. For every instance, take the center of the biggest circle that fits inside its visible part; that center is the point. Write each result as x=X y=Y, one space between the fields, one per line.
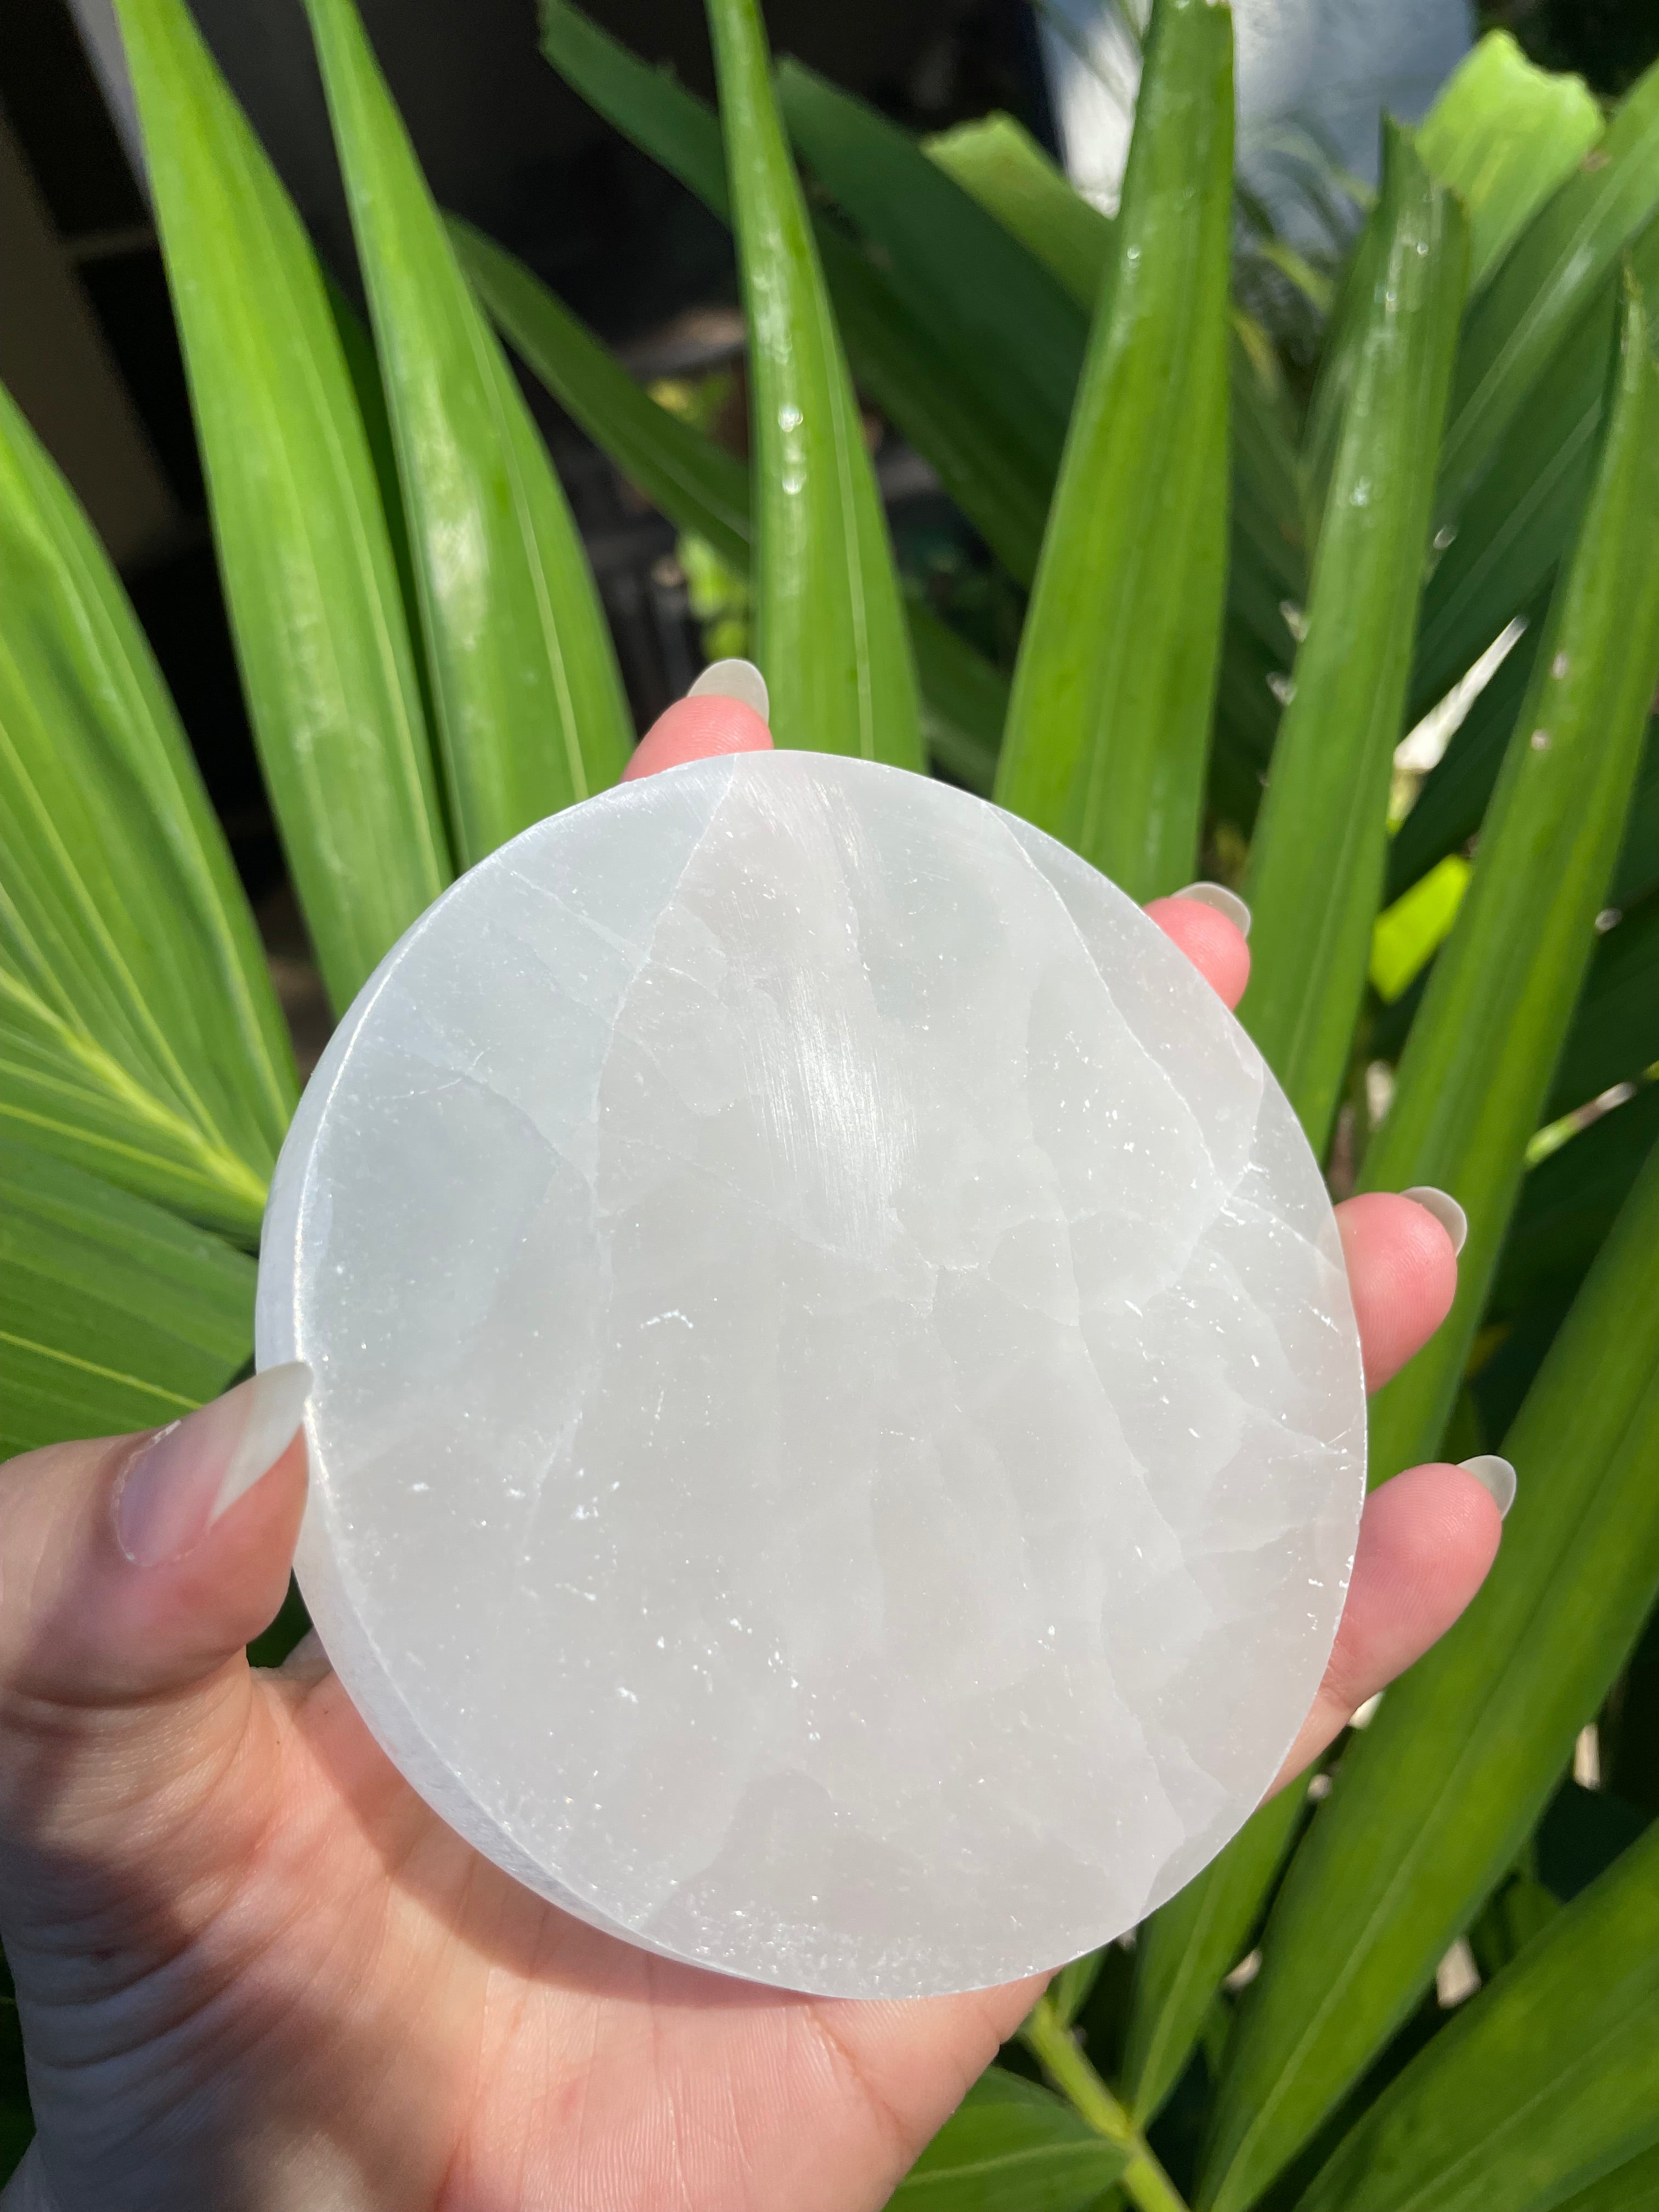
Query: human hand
x=254 y=1970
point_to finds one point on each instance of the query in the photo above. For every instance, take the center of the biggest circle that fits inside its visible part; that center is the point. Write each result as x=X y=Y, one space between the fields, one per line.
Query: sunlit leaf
x=114 y=1314
x=150 y=1052
x=1505 y=135
x=529 y=701
x=1108 y=724
x=1317 y=863
x=300 y=534
x=1409 y=932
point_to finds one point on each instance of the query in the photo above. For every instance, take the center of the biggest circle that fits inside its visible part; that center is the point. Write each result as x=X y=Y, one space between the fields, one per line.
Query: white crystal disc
x=838 y=1436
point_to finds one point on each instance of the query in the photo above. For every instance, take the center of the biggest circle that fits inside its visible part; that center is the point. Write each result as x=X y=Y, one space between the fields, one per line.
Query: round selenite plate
x=838 y=1436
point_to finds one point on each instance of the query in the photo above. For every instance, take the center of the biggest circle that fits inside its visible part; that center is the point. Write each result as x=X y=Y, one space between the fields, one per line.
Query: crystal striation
x=839 y=1436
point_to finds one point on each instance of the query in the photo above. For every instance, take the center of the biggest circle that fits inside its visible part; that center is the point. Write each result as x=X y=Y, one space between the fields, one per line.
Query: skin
x=253 y=1971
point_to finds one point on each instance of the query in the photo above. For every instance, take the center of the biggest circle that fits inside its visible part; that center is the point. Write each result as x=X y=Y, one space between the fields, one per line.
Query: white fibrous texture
x=839 y=1436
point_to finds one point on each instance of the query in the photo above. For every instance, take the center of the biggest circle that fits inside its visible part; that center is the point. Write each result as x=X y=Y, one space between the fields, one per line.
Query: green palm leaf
x=114 y=1315
x=1543 y=2081
x=1435 y=1798
x=139 y=1034
x=302 y=537
x=701 y=487
x=912 y=373
x=1108 y=723
x=1188 y=1947
x=1011 y=2143
x=831 y=633
x=1316 y=867
x=1506 y=137
x=529 y=702
x=998 y=161
x=1017 y=332
x=1531 y=381
x=1477 y=1064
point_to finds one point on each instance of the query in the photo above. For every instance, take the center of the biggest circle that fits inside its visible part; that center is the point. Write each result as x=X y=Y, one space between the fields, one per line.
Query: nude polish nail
x=1445 y=1209
x=177 y=1485
x=1224 y=902
x=734 y=679
x=1494 y=1474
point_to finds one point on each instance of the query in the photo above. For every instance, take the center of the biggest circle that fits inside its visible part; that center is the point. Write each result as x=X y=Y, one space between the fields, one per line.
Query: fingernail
x=188 y=1474
x=734 y=679
x=1494 y=1474
x=1223 y=901
x=1445 y=1209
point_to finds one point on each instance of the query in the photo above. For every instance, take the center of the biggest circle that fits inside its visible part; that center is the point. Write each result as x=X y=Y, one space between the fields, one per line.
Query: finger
x=1211 y=939
x=1426 y=1541
x=135 y=1569
x=724 y=713
x=1403 y=1273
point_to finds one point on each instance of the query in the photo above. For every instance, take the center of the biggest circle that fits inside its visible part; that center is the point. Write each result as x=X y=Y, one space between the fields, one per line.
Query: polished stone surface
x=838 y=1437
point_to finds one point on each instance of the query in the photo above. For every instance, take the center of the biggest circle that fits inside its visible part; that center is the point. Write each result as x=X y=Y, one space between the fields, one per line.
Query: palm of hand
x=255 y=1970
x=358 y=2010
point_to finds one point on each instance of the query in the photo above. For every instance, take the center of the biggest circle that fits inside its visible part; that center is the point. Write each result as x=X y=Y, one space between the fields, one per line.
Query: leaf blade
x=1435 y=1798
x=1011 y=2143
x=1108 y=723
x=1016 y=332
x=998 y=161
x=830 y=639
x=327 y=665
x=1570 y=252
x=1317 y=863
x=529 y=701
x=915 y=379
x=1506 y=135
x=1185 y=1951
x=156 y=1057
x=114 y=1315
x=1546 y=2079
x=701 y=488
x=1472 y=1078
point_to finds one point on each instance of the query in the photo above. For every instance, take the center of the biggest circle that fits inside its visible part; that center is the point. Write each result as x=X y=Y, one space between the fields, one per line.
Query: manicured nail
x=188 y=1474
x=734 y=679
x=1224 y=902
x=1494 y=1474
x=1445 y=1209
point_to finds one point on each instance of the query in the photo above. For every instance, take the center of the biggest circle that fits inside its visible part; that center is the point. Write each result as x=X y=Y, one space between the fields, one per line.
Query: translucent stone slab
x=838 y=1437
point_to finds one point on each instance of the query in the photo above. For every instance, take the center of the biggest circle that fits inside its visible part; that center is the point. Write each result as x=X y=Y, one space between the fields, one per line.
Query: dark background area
x=1608 y=42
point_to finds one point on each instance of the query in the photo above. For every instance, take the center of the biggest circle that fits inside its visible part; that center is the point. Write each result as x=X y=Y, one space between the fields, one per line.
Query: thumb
x=133 y=1571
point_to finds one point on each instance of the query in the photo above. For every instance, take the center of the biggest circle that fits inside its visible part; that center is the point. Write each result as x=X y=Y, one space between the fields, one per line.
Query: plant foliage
x=1242 y=585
